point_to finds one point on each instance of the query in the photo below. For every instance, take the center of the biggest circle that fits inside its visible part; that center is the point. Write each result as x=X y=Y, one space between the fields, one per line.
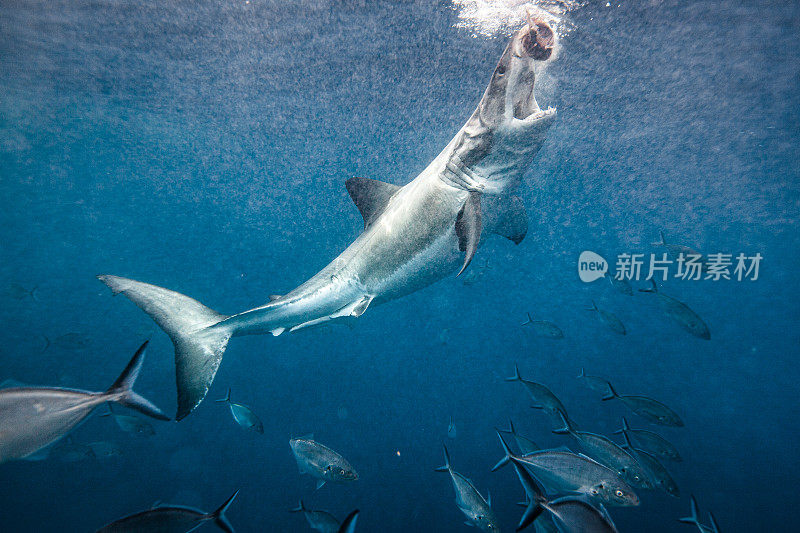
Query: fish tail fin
x=567 y=429
x=227 y=397
x=506 y=450
x=516 y=376
x=46 y=343
x=199 y=345
x=693 y=518
x=299 y=509
x=446 y=467
x=663 y=241
x=625 y=427
x=611 y=392
x=593 y=307
x=34 y=293
x=529 y=320
x=348 y=525
x=654 y=288
x=713 y=522
x=583 y=373
x=219 y=515
x=510 y=429
x=122 y=389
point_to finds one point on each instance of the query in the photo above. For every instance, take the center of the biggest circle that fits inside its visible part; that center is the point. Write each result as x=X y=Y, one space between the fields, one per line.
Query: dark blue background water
x=203 y=146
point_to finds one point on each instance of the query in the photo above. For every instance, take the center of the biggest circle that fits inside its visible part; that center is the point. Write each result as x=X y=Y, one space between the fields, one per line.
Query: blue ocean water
x=203 y=146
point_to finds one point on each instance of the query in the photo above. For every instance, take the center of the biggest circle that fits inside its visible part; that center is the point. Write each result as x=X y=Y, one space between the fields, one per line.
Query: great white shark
x=413 y=235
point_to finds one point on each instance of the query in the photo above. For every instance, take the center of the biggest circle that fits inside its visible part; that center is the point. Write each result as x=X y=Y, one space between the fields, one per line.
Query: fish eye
x=619 y=493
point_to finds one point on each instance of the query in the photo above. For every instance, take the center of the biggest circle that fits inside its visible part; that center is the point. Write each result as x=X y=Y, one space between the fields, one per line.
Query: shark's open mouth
x=534 y=42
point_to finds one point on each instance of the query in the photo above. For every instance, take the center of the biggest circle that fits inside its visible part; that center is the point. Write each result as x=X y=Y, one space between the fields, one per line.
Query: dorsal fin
x=370 y=196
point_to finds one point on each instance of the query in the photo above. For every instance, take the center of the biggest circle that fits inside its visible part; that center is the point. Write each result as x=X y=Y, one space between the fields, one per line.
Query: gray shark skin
x=413 y=235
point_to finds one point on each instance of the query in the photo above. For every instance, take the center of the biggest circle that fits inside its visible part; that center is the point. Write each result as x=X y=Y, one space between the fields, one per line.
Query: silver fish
x=451 y=429
x=69 y=341
x=32 y=418
x=651 y=442
x=573 y=515
x=659 y=476
x=321 y=521
x=414 y=235
x=321 y=462
x=609 y=319
x=680 y=313
x=544 y=328
x=676 y=251
x=577 y=473
x=131 y=424
x=595 y=383
x=524 y=444
x=608 y=453
x=477 y=509
x=171 y=519
x=19 y=292
x=694 y=520
x=243 y=415
x=648 y=408
x=542 y=397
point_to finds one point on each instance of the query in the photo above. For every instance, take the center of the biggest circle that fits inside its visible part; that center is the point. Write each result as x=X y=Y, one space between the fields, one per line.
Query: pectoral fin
x=506 y=216
x=468 y=228
x=370 y=196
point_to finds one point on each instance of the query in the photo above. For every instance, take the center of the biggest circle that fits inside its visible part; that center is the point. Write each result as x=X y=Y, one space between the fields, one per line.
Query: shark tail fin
x=199 y=341
x=446 y=467
x=219 y=515
x=516 y=376
x=693 y=518
x=122 y=389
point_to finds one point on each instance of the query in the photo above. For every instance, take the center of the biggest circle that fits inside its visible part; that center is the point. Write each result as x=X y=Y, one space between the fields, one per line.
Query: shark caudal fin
x=219 y=515
x=198 y=345
x=122 y=389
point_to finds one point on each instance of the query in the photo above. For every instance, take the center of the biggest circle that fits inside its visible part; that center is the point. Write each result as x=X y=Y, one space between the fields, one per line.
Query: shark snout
x=538 y=40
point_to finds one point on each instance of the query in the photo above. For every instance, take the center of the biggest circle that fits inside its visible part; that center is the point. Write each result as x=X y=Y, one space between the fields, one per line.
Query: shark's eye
x=501 y=69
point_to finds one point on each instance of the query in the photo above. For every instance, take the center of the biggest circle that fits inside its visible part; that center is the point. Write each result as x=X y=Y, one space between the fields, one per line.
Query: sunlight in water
x=490 y=18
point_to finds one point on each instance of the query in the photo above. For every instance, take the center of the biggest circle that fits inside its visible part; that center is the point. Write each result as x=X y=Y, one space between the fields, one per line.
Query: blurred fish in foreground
x=31 y=418
x=169 y=519
x=477 y=509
